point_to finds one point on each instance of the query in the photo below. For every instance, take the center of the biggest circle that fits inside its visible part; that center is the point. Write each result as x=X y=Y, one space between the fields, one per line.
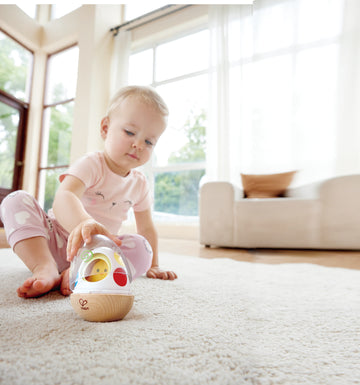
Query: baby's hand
x=156 y=272
x=82 y=234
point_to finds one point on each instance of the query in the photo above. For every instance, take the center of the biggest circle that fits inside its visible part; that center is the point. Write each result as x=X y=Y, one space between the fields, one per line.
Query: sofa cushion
x=266 y=185
x=277 y=223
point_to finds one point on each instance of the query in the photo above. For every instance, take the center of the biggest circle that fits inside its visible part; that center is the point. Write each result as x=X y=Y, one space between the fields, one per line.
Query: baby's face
x=131 y=133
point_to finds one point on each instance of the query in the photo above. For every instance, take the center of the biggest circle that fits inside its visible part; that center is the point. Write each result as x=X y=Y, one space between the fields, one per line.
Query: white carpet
x=222 y=322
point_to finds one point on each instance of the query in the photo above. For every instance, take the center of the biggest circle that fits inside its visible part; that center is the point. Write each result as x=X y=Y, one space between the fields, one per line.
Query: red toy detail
x=120 y=276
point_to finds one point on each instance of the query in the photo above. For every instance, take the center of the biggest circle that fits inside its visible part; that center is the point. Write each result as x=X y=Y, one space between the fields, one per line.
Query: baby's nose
x=137 y=145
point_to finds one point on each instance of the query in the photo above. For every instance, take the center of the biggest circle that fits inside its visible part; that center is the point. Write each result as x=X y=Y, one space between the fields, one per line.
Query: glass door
x=12 y=143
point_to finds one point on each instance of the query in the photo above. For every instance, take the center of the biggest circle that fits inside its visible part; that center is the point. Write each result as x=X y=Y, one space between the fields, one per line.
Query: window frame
x=45 y=107
x=23 y=108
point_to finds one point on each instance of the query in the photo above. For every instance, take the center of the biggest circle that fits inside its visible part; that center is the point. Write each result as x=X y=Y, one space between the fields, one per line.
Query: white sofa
x=324 y=215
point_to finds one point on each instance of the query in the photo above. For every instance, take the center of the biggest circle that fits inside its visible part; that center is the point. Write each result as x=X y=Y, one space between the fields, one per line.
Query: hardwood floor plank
x=330 y=258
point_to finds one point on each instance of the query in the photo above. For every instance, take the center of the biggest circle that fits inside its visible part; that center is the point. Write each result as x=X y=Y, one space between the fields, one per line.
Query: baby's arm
x=71 y=214
x=146 y=228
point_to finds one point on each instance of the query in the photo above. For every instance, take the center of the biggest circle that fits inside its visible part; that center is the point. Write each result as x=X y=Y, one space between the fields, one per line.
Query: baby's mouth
x=133 y=156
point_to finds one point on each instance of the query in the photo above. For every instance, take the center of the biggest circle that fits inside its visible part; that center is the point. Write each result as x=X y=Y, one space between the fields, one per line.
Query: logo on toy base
x=83 y=303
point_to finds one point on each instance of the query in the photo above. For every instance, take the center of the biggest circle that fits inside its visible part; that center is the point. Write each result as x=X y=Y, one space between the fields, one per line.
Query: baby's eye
x=148 y=142
x=127 y=132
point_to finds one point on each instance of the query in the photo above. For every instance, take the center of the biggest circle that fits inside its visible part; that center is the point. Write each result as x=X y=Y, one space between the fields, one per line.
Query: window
x=57 y=122
x=178 y=163
x=15 y=75
x=15 y=68
x=283 y=87
x=13 y=115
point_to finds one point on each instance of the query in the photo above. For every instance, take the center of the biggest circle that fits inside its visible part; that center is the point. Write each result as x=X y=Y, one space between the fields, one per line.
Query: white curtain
x=348 y=124
x=284 y=89
x=120 y=61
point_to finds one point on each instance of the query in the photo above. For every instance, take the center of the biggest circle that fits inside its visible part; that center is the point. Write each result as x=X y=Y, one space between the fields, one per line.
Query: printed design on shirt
x=124 y=205
x=99 y=193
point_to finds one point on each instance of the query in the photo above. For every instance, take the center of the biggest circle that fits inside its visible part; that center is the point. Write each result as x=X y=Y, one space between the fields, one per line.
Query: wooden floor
x=346 y=259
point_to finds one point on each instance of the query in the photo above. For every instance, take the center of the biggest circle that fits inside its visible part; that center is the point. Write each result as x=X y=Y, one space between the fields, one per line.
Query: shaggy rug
x=222 y=322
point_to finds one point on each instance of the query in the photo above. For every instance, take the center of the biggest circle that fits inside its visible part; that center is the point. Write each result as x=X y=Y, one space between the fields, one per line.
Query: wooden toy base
x=101 y=307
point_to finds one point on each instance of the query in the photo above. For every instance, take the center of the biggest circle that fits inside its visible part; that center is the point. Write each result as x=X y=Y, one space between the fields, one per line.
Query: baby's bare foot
x=65 y=284
x=43 y=281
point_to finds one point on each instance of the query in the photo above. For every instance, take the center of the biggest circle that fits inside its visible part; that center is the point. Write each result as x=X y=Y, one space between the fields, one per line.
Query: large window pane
x=62 y=76
x=49 y=183
x=177 y=192
x=182 y=56
x=141 y=67
x=57 y=129
x=9 y=119
x=178 y=69
x=187 y=101
x=58 y=122
x=15 y=68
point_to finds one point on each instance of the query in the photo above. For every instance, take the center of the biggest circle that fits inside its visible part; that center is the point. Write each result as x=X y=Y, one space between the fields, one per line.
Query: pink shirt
x=108 y=196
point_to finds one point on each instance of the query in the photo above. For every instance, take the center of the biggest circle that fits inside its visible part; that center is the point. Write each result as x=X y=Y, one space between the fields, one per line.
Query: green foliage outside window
x=177 y=192
x=61 y=120
x=15 y=66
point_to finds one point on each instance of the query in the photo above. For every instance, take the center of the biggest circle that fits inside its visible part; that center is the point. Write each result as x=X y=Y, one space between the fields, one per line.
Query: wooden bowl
x=266 y=185
x=101 y=307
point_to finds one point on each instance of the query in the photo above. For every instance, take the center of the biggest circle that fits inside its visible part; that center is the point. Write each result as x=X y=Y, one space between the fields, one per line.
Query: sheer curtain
x=120 y=61
x=284 y=89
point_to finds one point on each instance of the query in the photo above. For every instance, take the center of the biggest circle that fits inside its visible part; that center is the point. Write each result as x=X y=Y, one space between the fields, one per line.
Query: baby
x=94 y=197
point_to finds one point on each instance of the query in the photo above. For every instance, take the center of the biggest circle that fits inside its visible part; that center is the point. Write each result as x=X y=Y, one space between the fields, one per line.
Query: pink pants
x=23 y=218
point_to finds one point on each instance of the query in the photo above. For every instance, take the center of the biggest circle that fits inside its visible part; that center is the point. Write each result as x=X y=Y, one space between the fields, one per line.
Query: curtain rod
x=149 y=17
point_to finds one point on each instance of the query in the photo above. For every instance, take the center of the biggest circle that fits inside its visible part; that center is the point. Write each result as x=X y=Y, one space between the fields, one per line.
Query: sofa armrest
x=340 y=219
x=216 y=211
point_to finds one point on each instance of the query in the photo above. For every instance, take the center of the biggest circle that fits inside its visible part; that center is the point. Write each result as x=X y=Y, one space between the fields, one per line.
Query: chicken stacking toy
x=100 y=280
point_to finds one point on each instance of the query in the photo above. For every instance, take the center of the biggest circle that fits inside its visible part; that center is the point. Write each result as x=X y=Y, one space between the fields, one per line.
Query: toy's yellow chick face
x=98 y=271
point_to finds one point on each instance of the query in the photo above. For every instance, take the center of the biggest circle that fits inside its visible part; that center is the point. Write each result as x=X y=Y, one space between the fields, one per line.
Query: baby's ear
x=104 y=126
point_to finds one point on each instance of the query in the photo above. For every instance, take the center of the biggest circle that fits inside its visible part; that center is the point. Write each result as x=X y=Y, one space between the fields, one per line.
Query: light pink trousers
x=24 y=218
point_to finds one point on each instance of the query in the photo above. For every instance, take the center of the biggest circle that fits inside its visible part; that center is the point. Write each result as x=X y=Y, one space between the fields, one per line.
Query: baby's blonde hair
x=145 y=94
